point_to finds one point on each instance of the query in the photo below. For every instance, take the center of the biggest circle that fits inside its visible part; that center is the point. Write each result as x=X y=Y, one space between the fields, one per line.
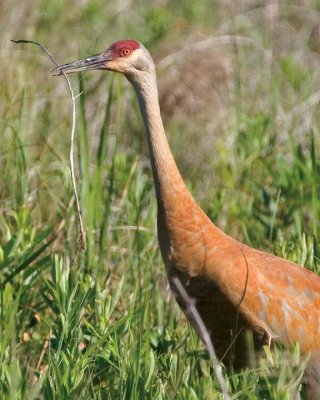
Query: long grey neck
x=168 y=181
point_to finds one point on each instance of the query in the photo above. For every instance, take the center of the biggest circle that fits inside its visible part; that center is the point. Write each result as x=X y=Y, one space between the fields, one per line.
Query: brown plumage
x=243 y=295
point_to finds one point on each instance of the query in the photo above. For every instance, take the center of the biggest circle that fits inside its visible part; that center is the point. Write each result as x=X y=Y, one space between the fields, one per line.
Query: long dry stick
x=82 y=235
x=192 y=310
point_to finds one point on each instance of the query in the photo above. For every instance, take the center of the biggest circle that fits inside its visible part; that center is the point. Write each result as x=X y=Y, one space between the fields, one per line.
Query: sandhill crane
x=239 y=291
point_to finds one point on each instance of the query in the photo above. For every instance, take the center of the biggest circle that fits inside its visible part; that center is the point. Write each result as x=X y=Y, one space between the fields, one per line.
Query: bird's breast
x=181 y=240
x=234 y=341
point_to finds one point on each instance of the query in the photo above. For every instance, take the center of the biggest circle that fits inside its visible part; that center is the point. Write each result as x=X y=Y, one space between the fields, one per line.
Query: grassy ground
x=241 y=106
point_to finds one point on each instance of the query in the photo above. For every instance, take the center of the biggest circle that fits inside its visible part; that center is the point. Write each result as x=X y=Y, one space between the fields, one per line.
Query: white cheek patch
x=141 y=64
x=139 y=60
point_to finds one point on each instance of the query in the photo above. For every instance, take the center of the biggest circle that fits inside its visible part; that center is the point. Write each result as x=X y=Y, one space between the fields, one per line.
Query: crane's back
x=246 y=298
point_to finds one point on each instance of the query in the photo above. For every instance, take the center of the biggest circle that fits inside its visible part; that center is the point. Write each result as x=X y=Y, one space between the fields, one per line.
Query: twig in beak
x=82 y=235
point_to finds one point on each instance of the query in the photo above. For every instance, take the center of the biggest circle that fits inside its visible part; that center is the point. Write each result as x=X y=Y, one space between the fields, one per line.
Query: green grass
x=101 y=324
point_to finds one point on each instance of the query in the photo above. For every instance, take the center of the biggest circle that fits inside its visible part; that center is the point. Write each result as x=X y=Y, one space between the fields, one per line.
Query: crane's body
x=245 y=297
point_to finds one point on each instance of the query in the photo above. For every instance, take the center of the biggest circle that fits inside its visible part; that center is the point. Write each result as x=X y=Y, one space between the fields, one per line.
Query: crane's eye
x=125 y=52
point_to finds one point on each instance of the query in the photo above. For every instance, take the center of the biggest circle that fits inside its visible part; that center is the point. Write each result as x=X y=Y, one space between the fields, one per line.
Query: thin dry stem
x=43 y=352
x=207 y=43
x=82 y=235
x=192 y=310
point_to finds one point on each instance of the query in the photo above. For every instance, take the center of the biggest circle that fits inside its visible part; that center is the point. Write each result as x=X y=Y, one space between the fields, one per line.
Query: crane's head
x=126 y=56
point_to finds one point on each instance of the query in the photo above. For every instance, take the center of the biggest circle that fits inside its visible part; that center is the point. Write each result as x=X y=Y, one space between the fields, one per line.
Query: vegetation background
x=239 y=87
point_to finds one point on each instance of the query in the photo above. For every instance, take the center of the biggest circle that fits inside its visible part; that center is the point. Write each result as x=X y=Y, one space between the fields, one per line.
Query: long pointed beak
x=98 y=61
